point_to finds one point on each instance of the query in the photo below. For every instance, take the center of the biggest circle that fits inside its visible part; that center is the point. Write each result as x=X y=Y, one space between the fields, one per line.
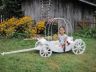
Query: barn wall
x=73 y=11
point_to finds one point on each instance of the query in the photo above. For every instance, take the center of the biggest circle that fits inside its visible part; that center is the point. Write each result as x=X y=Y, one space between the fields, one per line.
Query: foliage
x=22 y=27
x=34 y=31
x=12 y=8
x=7 y=28
x=40 y=26
x=87 y=33
x=0 y=2
x=14 y=27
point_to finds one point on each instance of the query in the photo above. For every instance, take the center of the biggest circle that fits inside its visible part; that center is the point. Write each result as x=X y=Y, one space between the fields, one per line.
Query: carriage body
x=47 y=47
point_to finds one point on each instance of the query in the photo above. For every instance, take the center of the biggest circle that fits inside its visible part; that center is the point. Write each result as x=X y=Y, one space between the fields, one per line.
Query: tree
x=11 y=8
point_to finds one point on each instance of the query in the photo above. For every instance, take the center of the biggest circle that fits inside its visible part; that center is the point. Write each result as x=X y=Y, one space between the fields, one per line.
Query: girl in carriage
x=62 y=37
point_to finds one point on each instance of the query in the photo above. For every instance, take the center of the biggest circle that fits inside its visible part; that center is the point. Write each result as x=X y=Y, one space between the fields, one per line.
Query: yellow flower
x=24 y=20
x=40 y=25
x=11 y=21
x=2 y=26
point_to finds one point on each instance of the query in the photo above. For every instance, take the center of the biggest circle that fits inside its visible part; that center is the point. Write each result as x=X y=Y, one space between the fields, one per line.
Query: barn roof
x=90 y=2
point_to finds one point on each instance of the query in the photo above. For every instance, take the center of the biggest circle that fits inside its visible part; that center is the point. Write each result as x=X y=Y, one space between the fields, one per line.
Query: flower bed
x=22 y=27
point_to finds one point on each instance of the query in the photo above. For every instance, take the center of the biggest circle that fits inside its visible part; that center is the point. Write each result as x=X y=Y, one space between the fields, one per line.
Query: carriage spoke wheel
x=79 y=47
x=45 y=51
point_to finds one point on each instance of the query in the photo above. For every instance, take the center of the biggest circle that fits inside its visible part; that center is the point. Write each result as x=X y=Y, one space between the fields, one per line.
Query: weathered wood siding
x=73 y=11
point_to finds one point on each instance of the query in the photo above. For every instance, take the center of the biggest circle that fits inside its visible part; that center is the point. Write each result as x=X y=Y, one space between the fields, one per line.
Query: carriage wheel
x=79 y=47
x=45 y=51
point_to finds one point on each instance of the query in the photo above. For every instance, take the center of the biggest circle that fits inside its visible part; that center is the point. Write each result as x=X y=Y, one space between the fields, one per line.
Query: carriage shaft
x=18 y=51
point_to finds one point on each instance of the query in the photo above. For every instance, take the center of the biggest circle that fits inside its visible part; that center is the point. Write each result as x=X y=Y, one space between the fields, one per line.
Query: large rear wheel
x=79 y=47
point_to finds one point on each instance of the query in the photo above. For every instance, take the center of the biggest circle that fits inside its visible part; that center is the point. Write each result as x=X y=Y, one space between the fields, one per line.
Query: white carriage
x=46 y=47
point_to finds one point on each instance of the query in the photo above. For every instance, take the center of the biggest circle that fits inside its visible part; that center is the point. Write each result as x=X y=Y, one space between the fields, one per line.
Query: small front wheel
x=45 y=51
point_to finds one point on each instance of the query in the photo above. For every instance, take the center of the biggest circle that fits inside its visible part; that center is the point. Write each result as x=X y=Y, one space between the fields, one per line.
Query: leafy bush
x=87 y=33
x=7 y=27
x=16 y=26
x=40 y=26
x=24 y=26
x=20 y=28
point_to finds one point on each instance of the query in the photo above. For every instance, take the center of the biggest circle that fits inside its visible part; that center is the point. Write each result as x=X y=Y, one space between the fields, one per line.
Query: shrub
x=88 y=33
x=22 y=27
x=40 y=26
x=14 y=26
x=7 y=27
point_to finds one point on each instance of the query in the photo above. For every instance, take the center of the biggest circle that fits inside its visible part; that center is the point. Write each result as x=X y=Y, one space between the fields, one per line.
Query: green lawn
x=32 y=62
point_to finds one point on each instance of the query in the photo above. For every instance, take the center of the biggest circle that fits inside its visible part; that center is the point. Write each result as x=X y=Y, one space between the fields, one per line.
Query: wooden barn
x=77 y=11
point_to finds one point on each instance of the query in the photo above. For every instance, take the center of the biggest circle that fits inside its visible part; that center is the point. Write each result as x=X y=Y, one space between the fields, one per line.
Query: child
x=62 y=37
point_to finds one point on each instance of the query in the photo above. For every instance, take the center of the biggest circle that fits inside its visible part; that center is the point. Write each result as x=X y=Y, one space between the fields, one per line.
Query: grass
x=32 y=62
